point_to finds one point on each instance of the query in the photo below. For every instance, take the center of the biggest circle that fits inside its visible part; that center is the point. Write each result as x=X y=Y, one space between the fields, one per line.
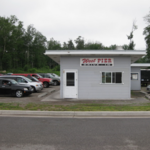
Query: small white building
x=98 y=74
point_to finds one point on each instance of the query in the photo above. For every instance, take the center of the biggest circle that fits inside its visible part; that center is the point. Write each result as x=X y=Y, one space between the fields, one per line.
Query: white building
x=98 y=74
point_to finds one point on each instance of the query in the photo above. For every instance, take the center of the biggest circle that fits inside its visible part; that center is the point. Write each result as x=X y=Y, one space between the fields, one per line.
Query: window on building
x=111 y=77
x=70 y=79
x=134 y=76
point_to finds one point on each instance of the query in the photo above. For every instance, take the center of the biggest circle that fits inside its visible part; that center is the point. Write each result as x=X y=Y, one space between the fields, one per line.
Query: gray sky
x=105 y=21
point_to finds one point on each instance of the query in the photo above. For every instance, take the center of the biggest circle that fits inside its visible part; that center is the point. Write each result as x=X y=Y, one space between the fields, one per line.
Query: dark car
x=10 y=86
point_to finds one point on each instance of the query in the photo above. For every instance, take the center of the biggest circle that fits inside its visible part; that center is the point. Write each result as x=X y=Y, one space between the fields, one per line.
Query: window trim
x=111 y=77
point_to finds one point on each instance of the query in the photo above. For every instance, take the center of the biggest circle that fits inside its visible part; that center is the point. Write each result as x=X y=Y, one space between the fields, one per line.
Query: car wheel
x=19 y=93
x=55 y=83
x=33 y=89
x=45 y=84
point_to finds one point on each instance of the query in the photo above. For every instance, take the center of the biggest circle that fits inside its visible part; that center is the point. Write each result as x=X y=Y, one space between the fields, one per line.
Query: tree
x=94 y=46
x=11 y=31
x=65 y=46
x=79 y=43
x=146 y=32
x=70 y=45
x=53 y=44
x=130 y=37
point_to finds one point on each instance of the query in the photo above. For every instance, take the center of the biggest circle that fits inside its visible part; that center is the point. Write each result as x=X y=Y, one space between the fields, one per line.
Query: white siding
x=89 y=79
x=136 y=84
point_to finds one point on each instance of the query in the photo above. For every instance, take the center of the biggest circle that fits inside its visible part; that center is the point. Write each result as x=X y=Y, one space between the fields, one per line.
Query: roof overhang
x=56 y=54
x=141 y=65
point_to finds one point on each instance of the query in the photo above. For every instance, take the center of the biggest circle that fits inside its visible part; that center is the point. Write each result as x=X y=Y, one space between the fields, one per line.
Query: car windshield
x=55 y=75
x=39 y=76
x=14 y=82
x=51 y=75
x=27 y=79
x=35 y=79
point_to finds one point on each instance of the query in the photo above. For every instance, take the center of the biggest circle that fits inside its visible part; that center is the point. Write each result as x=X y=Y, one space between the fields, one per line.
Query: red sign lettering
x=88 y=60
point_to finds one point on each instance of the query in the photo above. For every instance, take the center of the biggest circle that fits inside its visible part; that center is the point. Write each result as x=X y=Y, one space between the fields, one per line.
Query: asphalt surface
x=74 y=134
x=51 y=95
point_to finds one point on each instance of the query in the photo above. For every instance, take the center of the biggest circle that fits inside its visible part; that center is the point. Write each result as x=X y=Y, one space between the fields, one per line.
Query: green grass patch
x=75 y=107
x=10 y=106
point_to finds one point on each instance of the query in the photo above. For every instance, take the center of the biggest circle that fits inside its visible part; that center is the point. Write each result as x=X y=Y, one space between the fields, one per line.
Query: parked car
x=23 y=80
x=145 y=77
x=9 y=73
x=148 y=88
x=34 y=79
x=46 y=81
x=9 y=86
x=56 y=80
x=55 y=75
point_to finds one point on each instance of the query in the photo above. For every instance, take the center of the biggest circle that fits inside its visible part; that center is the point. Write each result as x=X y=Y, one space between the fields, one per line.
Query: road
x=40 y=133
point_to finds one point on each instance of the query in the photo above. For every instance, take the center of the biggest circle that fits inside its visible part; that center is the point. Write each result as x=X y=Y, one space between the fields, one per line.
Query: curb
x=77 y=114
x=43 y=94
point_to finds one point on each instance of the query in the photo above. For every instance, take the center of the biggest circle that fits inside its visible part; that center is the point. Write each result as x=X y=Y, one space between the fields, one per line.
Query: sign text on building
x=96 y=62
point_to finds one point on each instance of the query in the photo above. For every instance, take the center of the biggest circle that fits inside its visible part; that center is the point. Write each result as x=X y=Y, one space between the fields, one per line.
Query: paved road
x=18 y=133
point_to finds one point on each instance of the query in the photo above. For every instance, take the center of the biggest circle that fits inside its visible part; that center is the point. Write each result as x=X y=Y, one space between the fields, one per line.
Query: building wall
x=90 y=78
x=136 y=84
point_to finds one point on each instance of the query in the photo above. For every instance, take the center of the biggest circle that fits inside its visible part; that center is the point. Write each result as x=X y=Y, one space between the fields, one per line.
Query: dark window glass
x=47 y=76
x=108 y=77
x=21 y=80
x=114 y=77
x=103 y=77
x=70 y=78
x=118 y=77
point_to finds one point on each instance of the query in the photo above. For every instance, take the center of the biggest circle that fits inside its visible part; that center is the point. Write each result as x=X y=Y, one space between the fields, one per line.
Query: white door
x=70 y=84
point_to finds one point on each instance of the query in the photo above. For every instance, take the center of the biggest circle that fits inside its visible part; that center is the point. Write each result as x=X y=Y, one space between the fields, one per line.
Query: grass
x=10 y=106
x=76 y=107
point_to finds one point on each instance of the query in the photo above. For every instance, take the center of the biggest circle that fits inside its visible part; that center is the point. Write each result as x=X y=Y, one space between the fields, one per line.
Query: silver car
x=35 y=86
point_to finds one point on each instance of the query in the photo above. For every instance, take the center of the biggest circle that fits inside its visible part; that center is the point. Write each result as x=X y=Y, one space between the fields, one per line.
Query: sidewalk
x=76 y=114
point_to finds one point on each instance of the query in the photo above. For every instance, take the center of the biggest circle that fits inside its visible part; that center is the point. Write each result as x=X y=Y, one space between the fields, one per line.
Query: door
x=70 y=84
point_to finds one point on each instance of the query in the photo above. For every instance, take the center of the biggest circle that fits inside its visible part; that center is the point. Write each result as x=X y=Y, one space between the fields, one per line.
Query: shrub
x=32 y=70
x=56 y=68
x=26 y=67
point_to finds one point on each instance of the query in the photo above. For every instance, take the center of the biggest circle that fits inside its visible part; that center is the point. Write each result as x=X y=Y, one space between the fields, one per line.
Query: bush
x=26 y=67
x=56 y=68
x=33 y=70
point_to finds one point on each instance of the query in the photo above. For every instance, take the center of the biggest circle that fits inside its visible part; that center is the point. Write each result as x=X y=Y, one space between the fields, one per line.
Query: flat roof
x=56 y=54
x=141 y=65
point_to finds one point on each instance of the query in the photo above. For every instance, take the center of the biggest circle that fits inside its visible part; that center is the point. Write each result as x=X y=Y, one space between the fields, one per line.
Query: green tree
x=70 y=45
x=146 y=32
x=94 y=46
x=79 y=43
x=11 y=32
x=65 y=46
x=53 y=44
x=130 y=37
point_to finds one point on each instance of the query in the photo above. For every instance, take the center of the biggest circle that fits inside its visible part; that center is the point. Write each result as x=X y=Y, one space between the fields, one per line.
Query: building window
x=111 y=77
x=134 y=76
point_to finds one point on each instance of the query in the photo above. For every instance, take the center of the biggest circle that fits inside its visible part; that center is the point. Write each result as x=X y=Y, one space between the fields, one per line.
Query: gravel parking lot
x=51 y=96
x=34 y=97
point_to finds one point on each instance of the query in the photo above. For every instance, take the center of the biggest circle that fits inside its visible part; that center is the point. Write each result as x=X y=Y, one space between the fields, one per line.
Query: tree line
x=22 y=48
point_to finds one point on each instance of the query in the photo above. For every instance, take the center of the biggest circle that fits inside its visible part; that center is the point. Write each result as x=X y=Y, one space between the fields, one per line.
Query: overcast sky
x=105 y=21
